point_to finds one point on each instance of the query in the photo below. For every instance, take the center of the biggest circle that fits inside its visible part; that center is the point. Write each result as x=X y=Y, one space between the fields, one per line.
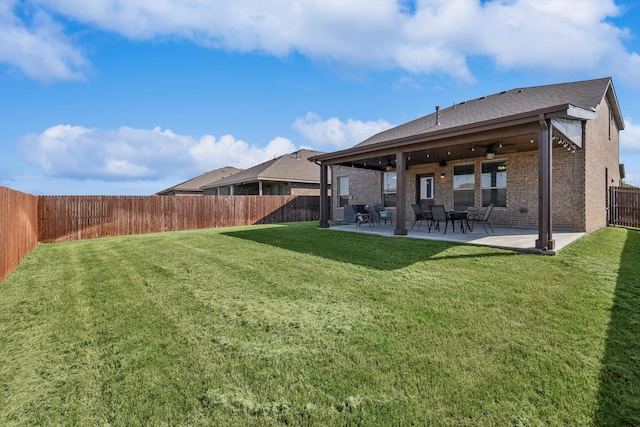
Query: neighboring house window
x=494 y=183
x=610 y=121
x=343 y=190
x=389 y=189
x=425 y=187
x=464 y=184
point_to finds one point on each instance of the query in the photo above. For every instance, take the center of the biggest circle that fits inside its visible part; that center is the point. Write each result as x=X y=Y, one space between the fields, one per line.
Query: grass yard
x=291 y=324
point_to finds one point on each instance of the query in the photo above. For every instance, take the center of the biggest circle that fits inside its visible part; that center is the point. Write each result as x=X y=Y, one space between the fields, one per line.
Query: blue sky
x=133 y=96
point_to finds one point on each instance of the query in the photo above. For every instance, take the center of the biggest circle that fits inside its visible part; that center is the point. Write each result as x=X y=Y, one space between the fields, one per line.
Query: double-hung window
x=389 y=191
x=343 y=190
x=494 y=183
x=464 y=184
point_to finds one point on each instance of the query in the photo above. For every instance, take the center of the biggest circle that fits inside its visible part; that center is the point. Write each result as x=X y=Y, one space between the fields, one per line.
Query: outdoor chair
x=481 y=217
x=459 y=213
x=438 y=214
x=362 y=215
x=383 y=214
x=420 y=215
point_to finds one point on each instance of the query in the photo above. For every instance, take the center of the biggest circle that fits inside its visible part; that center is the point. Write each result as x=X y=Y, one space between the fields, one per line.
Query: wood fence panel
x=88 y=217
x=26 y=219
x=18 y=228
x=624 y=207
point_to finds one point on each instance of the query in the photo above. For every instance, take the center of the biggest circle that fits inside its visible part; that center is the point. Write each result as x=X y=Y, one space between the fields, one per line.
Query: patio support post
x=324 y=197
x=545 y=187
x=401 y=173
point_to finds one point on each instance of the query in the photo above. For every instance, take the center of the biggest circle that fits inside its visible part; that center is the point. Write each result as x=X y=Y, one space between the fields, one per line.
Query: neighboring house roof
x=193 y=185
x=579 y=100
x=289 y=167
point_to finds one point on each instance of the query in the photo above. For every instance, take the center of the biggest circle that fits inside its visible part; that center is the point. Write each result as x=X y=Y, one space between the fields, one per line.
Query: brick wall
x=365 y=188
x=522 y=188
x=302 y=189
x=601 y=155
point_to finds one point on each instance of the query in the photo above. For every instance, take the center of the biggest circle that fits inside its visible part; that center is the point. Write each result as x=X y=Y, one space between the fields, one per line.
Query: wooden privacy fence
x=88 y=217
x=18 y=228
x=624 y=206
x=26 y=220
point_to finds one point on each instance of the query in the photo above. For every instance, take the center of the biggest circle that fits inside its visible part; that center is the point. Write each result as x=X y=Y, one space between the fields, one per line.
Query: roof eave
x=564 y=110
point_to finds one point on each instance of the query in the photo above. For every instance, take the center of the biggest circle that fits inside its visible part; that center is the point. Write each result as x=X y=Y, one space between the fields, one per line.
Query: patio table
x=461 y=216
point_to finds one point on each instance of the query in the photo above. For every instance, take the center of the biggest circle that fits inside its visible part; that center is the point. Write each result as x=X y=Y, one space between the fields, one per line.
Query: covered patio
x=511 y=238
x=522 y=151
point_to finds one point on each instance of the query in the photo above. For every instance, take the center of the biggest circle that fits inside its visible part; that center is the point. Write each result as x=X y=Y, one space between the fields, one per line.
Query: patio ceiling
x=503 y=141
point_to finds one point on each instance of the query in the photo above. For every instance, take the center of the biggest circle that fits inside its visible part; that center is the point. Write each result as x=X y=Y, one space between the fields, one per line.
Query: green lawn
x=291 y=324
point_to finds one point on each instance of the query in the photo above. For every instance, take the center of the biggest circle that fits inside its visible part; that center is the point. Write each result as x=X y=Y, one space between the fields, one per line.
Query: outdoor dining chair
x=438 y=214
x=481 y=217
x=420 y=215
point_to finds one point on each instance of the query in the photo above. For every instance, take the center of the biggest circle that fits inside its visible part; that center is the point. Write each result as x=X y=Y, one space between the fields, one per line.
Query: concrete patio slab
x=515 y=239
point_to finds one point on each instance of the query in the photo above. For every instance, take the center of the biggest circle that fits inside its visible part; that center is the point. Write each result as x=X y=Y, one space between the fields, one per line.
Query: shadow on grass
x=367 y=250
x=619 y=398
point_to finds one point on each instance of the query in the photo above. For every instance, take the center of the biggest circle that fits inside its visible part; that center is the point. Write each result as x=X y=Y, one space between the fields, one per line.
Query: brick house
x=544 y=156
x=290 y=174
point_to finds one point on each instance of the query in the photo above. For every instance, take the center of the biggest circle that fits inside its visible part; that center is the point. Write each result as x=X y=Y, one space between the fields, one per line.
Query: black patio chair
x=438 y=213
x=420 y=215
x=481 y=217
x=383 y=214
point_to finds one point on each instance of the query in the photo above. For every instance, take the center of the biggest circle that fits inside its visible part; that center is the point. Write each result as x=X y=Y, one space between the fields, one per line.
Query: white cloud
x=336 y=133
x=124 y=154
x=630 y=151
x=39 y=48
x=440 y=36
x=630 y=136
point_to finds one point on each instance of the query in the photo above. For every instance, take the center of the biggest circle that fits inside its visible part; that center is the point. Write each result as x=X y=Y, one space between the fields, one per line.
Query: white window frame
x=465 y=189
x=423 y=188
x=343 y=191
x=389 y=177
x=483 y=187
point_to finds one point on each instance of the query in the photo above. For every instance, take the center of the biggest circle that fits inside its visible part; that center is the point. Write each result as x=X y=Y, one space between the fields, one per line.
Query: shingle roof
x=194 y=184
x=289 y=167
x=586 y=95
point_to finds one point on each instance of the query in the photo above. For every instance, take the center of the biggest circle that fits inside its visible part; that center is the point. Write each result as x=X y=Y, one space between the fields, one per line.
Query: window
x=425 y=187
x=343 y=190
x=610 y=122
x=464 y=184
x=494 y=183
x=389 y=189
